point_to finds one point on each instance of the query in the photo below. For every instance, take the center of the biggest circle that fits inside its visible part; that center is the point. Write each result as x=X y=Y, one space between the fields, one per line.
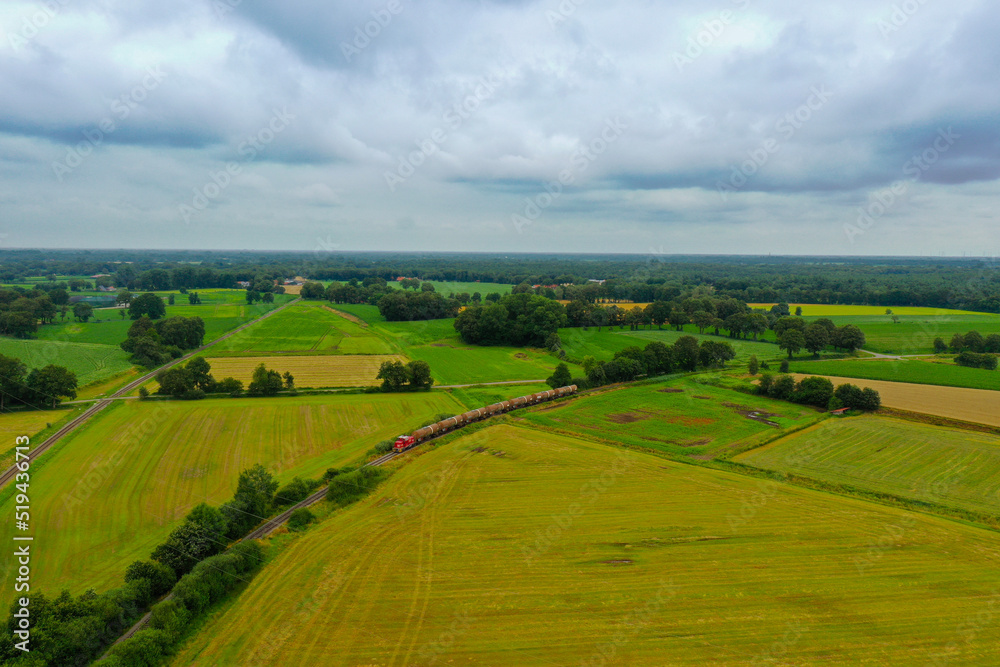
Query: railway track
x=9 y=474
x=262 y=531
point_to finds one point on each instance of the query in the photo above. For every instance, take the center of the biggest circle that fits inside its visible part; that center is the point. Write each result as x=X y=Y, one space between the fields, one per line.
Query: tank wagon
x=404 y=442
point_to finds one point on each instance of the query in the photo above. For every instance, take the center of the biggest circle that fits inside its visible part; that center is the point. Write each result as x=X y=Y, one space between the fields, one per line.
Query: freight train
x=404 y=442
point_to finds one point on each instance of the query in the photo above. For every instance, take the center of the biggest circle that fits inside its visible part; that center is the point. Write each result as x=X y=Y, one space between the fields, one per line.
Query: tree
x=816 y=338
x=754 y=366
x=991 y=344
x=264 y=382
x=792 y=340
x=786 y=323
x=123 y=298
x=82 y=311
x=957 y=343
x=194 y=299
x=289 y=380
x=52 y=383
x=148 y=305
x=974 y=341
x=59 y=297
x=561 y=377
x=939 y=346
x=849 y=337
x=798 y=311
x=783 y=387
x=419 y=373
x=713 y=354
x=686 y=353
x=312 y=290
x=12 y=379
x=393 y=375
x=426 y=287
x=201 y=373
x=252 y=501
x=813 y=391
x=175 y=382
x=160 y=577
x=201 y=535
x=170 y=299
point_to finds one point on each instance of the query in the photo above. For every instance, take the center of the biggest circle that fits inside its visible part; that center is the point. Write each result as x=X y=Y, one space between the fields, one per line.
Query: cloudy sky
x=740 y=126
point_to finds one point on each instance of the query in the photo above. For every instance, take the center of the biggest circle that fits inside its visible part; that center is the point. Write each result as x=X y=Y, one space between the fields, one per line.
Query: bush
x=143 y=393
x=347 y=488
x=384 y=447
x=813 y=391
x=784 y=366
x=977 y=360
x=291 y=493
x=300 y=518
x=161 y=578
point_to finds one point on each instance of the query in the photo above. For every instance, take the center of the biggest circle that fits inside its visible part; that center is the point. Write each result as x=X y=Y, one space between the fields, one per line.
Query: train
x=405 y=442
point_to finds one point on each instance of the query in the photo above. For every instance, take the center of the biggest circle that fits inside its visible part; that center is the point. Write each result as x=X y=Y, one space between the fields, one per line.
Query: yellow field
x=622 y=306
x=981 y=406
x=319 y=371
x=834 y=310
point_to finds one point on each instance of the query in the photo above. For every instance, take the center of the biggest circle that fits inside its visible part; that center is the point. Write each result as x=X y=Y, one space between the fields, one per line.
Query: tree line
x=36 y=388
x=819 y=392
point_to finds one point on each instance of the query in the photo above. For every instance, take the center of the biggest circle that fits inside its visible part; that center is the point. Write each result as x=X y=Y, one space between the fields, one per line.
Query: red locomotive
x=404 y=442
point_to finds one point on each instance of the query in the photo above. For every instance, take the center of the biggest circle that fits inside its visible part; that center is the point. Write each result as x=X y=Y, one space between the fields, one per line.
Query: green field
x=307 y=327
x=835 y=310
x=451 y=360
x=916 y=334
x=515 y=547
x=680 y=417
x=908 y=370
x=91 y=363
x=919 y=461
x=114 y=490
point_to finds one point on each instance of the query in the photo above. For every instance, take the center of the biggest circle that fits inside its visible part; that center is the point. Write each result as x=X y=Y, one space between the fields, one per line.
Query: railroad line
x=103 y=403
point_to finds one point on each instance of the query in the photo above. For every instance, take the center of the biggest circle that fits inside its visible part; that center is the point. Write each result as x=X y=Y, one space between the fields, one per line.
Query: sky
x=632 y=126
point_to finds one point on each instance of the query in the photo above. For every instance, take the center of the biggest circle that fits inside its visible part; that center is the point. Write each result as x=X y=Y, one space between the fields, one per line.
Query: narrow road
x=103 y=403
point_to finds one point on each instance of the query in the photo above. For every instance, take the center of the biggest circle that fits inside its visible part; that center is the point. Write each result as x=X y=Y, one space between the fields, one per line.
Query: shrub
x=977 y=360
x=161 y=578
x=784 y=366
x=348 y=488
x=295 y=491
x=300 y=518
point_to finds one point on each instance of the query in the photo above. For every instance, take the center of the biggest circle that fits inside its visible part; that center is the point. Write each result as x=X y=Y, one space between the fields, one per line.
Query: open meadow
x=109 y=493
x=681 y=417
x=90 y=362
x=933 y=464
x=512 y=546
x=919 y=371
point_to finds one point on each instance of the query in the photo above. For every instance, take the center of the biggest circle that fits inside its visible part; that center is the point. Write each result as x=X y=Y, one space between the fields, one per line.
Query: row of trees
x=413 y=376
x=818 y=391
x=400 y=306
x=37 y=388
x=970 y=342
x=794 y=334
x=195 y=380
x=656 y=358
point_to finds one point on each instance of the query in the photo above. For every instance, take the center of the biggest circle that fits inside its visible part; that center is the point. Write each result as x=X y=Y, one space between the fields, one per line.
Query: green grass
x=927 y=463
x=915 y=334
x=507 y=548
x=115 y=489
x=841 y=310
x=603 y=344
x=454 y=288
x=306 y=327
x=699 y=420
x=91 y=363
x=908 y=370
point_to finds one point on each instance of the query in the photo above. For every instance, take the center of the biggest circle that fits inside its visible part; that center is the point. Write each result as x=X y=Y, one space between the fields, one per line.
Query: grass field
x=307 y=327
x=681 y=417
x=91 y=363
x=933 y=464
x=318 y=371
x=980 y=406
x=603 y=344
x=909 y=370
x=113 y=491
x=835 y=310
x=451 y=360
x=507 y=548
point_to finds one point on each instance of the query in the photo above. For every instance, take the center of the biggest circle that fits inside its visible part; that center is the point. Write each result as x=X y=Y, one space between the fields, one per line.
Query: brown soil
x=627 y=417
x=520 y=355
x=671 y=390
x=704 y=398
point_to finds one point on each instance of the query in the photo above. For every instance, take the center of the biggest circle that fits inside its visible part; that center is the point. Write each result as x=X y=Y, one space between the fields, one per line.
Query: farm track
x=103 y=403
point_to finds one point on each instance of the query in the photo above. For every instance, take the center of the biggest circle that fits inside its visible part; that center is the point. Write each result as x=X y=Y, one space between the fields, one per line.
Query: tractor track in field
x=103 y=403
x=262 y=531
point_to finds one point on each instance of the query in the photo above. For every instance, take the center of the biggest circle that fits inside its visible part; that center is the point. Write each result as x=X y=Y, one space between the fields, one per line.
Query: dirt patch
x=697 y=443
x=756 y=415
x=441 y=345
x=670 y=390
x=520 y=355
x=627 y=417
x=704 y=398
x=618 y=561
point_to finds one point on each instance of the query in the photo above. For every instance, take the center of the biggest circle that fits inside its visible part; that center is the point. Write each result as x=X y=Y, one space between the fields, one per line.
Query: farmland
x=841 y=310
x=679 y=417
x=979 y=406
x=90 y=362
x=918 y=461
x=318 y=371
x=470 y=555
x=139 y=467
x=908 y=370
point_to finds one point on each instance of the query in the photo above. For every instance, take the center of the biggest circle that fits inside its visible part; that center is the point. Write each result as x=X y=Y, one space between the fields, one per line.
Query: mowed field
x=980 y=406
x=90 y=362
x=836 y=310
x=919 y=371
x=314 y=371
x=111 y=492
x=515 y=547
x=928 y=463
x=681 y=417
x=308 y=328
